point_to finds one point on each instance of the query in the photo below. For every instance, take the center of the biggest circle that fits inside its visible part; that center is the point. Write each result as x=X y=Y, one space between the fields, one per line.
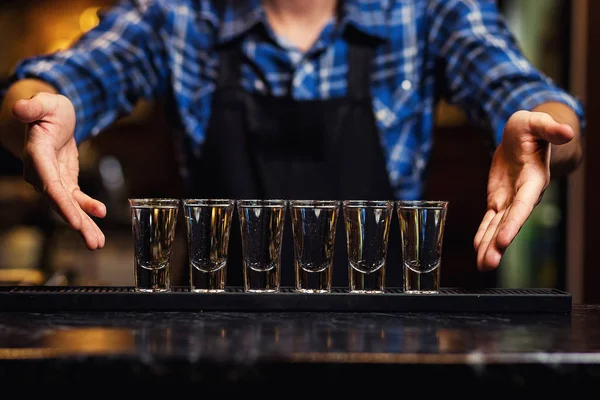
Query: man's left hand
x=519 y=175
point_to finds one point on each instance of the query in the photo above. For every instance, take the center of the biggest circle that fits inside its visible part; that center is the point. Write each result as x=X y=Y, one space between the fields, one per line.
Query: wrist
x=566 y=157
x=561 y=113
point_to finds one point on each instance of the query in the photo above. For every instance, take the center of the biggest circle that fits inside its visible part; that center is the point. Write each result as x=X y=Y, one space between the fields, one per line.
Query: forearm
x=564 y=158
x=12 y=131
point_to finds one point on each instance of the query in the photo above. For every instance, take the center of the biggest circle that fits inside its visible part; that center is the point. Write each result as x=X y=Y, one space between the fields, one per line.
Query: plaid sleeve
x=486 y=73
x=109 y=68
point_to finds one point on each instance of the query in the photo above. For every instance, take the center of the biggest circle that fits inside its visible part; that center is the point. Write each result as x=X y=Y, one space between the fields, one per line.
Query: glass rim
x=276 y=203
x=431 y=204
x=191 y=202
x=369 y=203
x=154 y=202
x=315 y=203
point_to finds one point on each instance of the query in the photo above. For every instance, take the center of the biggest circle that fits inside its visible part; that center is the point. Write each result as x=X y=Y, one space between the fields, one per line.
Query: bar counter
x=339 y=352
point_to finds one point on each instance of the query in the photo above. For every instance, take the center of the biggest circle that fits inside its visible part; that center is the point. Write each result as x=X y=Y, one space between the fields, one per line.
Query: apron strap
x=230 y=62
x=231 y=58
x=360 y=57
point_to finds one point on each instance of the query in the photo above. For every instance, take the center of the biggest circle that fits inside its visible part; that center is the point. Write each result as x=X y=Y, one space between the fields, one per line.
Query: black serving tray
x=63 y=298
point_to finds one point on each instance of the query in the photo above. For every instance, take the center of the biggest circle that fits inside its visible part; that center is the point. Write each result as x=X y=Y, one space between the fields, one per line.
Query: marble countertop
x=237 y=349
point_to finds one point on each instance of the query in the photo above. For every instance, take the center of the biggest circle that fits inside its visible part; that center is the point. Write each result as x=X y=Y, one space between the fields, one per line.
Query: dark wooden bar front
x=306 y=353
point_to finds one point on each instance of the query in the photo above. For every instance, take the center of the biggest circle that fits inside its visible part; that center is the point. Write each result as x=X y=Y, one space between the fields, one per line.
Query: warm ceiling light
x=89 y=19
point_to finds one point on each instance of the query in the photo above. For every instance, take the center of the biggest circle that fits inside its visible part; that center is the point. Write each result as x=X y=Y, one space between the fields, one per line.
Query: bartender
x=297 y=99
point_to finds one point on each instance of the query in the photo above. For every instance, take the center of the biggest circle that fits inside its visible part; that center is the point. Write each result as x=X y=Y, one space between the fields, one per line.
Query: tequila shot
x=422 y=231
x=261 y=225
x=367 y=231
x=313 y=227
x=208 y=226
x=153 y=228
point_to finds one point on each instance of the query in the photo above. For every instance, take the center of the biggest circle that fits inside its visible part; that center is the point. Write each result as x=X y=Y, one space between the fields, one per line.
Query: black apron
x=263 y=147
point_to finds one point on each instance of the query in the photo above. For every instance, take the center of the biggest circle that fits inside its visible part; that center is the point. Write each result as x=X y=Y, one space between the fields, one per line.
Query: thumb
x=545 y=127
x=36 y=108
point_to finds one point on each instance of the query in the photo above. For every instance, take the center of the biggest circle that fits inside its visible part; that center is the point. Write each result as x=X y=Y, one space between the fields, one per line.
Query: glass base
x=312 y=282
x=300 y=290
x=367 y=282
x=261 y=281
x=261 y=290
x=421 y=282
x=196 y=290
x=156 y=290
x=364 y=291
x=421 y=291
x=208 y=282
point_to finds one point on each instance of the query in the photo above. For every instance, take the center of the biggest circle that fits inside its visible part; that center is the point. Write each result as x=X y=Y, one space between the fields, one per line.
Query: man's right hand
x=51 y=162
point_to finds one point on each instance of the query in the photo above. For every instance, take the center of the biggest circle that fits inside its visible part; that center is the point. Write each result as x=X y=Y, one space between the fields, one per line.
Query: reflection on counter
x=306 y=337
x=90 y=340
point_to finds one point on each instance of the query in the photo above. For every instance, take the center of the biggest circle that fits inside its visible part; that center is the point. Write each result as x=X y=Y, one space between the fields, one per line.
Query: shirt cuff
x=556 y=96
x=536 y=96
x=64 y=78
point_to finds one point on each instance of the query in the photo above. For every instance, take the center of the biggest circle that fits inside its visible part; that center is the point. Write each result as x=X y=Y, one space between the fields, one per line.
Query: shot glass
x=208 y=225
x=261 y=225
x=313 y=229
x=422 y=231
x=367 y=231
x=153 y=227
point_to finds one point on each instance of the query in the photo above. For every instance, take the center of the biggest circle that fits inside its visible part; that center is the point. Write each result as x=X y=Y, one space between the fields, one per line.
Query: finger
x=44 y=173
x=89 y=205
x=62 y=203
x=101 y=237
x=487 y=218
x=545 y=127
x=70 y=211
x=34 y=109
x=519 y=211
x=99 y=233
x=493 y=255
x=87 y=231
x=487 y=239
x=93 y=229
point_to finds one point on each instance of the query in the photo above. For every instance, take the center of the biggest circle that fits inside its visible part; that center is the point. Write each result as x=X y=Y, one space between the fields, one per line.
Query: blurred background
x=37 y=248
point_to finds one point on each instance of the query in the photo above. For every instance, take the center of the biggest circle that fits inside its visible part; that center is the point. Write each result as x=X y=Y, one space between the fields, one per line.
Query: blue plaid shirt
x=161 y=48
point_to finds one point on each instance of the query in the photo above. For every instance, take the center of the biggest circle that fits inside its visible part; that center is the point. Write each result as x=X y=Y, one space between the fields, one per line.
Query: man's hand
x=519 y=175
x=51 y=163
